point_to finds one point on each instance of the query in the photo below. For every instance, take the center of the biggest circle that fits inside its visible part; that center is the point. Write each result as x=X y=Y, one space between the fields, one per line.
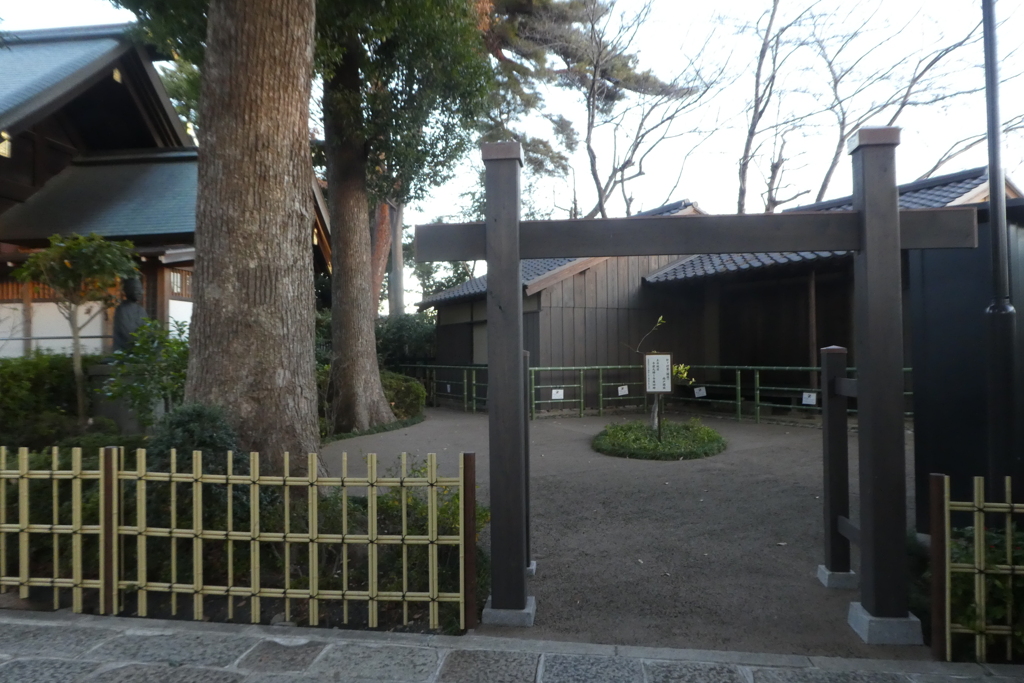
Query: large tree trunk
x=357 y=397
x=380 y=239
x=251 y=338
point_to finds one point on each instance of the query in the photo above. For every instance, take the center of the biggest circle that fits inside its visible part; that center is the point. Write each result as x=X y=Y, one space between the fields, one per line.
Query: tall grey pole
x=1000 y=313
x=396 y=284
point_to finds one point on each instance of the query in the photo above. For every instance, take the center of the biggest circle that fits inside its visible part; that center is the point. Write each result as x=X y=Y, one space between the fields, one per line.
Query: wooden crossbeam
x=653 y=235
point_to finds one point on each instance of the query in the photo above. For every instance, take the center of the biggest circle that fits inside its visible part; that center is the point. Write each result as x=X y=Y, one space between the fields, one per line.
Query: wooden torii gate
x=876 y=230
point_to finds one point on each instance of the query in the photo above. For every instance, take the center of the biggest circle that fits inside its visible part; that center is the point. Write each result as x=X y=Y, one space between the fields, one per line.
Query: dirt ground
x=716 y=554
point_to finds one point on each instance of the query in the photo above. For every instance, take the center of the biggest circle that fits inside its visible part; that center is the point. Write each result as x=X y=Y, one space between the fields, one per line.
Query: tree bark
x=251 y=337
x=381 y=240
x=357 y=397
x=76 y=363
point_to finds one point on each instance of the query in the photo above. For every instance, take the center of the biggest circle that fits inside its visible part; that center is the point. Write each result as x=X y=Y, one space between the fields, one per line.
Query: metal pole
x=757 y=396
x=1000 y=314
x=739 y=398
x=582 y=396
x=600 y=392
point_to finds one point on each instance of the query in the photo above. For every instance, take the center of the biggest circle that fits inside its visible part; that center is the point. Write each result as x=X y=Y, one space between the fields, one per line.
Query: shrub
x=194 y=427
x=405 y=339
x=152 y=371
x=405 y=394
x=37 y=400
x=679 y=441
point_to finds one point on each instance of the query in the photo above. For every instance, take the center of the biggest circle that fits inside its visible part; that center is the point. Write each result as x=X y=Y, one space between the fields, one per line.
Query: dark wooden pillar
x=879 y=345
x=836 y=462
x=505 y=390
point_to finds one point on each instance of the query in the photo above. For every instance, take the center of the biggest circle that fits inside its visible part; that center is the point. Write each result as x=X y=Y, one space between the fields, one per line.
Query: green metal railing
x=462 y=383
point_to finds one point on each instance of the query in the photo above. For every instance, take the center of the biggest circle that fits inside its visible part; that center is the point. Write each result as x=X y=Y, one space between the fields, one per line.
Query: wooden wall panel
x=601 y=282
x=568 y=337
x=579 y=336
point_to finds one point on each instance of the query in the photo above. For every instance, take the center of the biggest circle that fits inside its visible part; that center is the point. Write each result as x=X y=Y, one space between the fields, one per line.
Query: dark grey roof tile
x=127 y=195
x=923 y=194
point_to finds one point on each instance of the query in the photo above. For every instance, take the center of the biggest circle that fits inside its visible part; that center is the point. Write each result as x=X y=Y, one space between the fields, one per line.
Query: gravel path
x=716 y=554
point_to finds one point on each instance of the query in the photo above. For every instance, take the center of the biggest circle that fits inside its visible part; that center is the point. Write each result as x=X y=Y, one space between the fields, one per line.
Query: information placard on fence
x=658 y=373
x=557 y=394
x=623 y=390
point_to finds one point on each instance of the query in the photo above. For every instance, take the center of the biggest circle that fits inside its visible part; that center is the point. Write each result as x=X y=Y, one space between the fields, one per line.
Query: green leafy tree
x=404 y=84
x=182 y=85
x=152 y=371
x=84 y=273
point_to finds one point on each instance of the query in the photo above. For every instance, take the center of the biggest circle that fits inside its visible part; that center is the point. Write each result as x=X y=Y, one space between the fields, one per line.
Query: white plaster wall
x=11 y=325
x=179 y=311
x=47 y=321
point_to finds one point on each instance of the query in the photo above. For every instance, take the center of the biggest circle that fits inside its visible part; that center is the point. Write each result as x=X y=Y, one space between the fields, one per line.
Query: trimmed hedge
x=37 y=400
x=405 y=394
x=687 y=441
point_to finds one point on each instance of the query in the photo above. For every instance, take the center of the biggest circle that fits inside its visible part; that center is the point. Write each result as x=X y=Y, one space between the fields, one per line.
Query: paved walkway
x=64 y=648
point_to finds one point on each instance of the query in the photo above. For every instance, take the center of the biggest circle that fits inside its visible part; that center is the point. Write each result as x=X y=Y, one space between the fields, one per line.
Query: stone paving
x=65 y=648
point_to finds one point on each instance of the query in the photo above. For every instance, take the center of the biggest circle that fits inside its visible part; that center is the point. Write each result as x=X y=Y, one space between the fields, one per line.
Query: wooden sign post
x=876 y=230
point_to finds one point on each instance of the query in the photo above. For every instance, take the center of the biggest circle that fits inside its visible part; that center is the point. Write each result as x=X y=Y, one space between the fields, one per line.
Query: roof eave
x=50 y=100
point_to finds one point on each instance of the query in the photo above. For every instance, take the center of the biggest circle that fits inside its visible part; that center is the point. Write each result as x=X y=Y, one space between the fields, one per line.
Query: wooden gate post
x=835 y=573
x=882 y=615
x=506 y=413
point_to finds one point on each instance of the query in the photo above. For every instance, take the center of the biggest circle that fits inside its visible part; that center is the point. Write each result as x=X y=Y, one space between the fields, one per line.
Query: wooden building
x=92 y=144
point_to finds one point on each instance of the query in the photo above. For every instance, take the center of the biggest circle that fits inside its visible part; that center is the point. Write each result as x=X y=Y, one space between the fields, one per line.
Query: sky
x=701 y=166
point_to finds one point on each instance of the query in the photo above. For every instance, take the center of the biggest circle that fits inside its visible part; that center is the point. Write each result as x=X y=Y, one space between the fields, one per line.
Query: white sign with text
x=623 y=390
x=700 y=392
x=810 y=398
x=557 y=394
x=658 y=372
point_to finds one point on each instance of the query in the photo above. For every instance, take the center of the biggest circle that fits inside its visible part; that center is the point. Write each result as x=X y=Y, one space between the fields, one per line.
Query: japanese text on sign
x=658 y=371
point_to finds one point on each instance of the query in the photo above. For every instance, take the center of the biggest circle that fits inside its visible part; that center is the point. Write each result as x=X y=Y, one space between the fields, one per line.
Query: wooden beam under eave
x=561 y=273
x=321 y=224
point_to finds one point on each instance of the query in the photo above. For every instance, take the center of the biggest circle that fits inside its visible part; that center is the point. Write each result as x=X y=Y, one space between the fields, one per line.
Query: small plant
x=687 y=441
x=152 y=371
x=83 y=273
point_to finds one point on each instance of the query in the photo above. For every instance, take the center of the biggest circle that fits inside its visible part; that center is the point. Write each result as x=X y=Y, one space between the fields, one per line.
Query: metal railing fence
x=126 y=534
x=747 y=389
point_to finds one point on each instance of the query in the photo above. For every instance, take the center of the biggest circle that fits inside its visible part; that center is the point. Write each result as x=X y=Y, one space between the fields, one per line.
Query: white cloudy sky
x=677 y=30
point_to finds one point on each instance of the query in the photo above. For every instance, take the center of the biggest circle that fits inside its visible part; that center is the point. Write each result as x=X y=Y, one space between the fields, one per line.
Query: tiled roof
x=923 y=194
x=531 y=269
x=132 y=194
x=37 y=66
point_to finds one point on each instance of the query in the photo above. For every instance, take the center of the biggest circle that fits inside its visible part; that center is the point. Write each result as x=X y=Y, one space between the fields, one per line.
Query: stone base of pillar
x=839 y=580
x=510 y=617
x=884 y=630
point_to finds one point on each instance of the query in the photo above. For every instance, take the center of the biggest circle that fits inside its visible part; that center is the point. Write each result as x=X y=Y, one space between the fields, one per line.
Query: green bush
x=37 y=400
x=679 y=441
x=152 y=371
x=194 y=427
x=405 y=394
x=1003 y=592
x=402 y=339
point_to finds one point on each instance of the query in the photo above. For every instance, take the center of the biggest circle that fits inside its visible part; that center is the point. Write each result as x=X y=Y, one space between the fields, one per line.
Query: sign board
x=557 y=394
x=810 y=398
x=623 y=390
x=658 y=373
x=700 y=392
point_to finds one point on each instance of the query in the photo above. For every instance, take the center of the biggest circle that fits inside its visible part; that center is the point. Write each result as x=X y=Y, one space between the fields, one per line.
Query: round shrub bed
x=680 y=441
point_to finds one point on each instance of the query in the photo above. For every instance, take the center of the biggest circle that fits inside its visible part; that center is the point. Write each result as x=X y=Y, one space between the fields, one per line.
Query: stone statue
x=129 y=314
